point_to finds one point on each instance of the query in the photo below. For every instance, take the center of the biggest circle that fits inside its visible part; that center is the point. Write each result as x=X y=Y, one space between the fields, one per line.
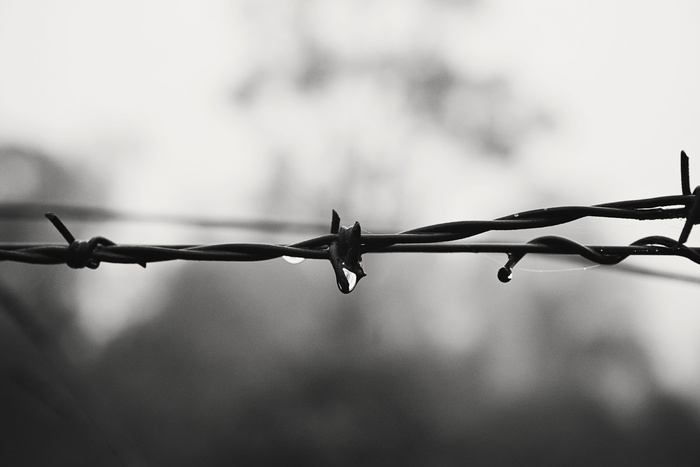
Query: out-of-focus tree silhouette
x=343 y=94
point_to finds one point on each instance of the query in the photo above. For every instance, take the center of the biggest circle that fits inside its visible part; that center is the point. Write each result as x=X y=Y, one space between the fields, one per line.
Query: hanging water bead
x=293 y=259
x=351 y=281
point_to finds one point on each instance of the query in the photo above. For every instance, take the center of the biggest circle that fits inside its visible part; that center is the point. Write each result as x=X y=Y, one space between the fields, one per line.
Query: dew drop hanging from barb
x=293 y=259
x=352 y=280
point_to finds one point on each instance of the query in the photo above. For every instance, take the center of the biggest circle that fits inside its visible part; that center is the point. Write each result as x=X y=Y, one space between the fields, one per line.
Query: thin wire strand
x=34 y=211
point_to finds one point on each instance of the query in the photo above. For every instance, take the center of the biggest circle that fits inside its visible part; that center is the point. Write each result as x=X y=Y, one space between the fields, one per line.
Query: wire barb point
x=335 y=222
x=60 y=226
x=344 y=255
x=685 y=173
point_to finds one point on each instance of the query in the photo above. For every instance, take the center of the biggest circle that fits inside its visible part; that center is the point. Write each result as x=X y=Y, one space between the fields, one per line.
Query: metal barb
x=685 y=173
x=60 y=226
x=335 y=222
x=344 y=255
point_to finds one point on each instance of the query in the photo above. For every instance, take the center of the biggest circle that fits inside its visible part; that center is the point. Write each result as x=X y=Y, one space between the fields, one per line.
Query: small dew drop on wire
x=293 y=259
x=352 y=280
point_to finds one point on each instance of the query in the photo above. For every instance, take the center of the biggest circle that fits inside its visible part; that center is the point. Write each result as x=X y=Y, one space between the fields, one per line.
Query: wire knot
x=344 y=254
x=80 y=254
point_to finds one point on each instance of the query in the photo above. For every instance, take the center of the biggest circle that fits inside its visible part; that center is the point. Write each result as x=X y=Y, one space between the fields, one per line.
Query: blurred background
x=398 y=114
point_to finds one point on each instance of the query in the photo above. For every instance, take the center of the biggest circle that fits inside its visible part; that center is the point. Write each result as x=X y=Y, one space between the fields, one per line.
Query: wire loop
x=80 y=253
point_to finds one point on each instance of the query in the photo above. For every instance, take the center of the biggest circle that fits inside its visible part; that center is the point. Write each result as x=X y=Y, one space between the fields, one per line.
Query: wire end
x=685 y=173
x=335 y=222
x=60 y=226
x=505 y=275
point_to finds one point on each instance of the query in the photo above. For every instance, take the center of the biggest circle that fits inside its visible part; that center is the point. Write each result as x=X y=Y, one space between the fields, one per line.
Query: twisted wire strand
x=344 y=246
x=426 y=239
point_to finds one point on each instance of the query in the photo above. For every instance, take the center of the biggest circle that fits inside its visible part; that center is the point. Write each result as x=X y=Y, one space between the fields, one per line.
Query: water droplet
x=352 y=280
x=516 y=215
x=505 y=275
x=293 y=259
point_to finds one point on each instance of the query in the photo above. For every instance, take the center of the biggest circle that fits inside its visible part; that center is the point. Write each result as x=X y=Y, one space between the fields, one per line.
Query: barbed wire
x=345 y=246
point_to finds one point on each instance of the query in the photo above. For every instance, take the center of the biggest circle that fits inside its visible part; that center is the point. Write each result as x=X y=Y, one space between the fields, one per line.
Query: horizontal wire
x=248 y=252
x=535 y=248
x=344 y=246
x=428 y=239
x=33 y=211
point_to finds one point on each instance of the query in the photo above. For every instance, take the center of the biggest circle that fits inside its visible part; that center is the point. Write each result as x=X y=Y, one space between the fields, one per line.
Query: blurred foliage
x=353 y=89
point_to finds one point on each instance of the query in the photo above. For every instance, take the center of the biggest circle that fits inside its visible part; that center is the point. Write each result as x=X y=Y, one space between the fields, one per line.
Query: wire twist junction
x=343 y=247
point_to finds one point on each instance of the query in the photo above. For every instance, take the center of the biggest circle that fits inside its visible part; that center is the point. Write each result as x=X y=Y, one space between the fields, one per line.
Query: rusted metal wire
x=344 y=247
